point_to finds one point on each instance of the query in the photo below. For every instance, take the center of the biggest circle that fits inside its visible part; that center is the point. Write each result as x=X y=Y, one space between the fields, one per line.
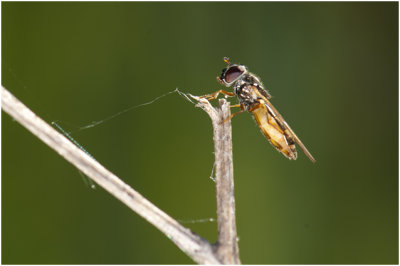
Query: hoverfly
x=255 y=99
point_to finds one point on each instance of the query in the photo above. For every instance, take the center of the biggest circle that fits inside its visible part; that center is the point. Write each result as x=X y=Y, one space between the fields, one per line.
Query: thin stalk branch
x=226 y=247
x=197 y=248
x=225 y=251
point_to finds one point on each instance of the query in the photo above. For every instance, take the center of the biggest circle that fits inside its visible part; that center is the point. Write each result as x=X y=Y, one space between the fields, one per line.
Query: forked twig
x=197 y=248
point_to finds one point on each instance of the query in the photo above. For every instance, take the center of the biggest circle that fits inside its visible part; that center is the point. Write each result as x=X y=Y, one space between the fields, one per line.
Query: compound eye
x=233 y=73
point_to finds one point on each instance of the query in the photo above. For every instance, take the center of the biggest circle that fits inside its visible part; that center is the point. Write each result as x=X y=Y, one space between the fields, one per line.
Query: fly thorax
x=245 y=94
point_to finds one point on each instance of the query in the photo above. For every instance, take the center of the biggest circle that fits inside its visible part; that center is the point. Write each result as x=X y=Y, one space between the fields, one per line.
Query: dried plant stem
x=225 y=251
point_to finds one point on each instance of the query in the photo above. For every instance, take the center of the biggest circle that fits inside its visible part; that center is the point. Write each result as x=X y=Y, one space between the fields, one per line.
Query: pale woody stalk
x=225 y=251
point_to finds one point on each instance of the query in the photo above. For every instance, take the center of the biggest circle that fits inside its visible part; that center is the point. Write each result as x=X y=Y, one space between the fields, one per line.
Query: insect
x=255 y=99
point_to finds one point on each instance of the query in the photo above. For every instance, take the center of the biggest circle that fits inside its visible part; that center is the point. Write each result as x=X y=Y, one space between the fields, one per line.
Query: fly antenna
x=226 y=60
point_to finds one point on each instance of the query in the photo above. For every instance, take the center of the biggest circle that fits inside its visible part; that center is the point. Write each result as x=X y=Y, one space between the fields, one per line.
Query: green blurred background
x=332 y=69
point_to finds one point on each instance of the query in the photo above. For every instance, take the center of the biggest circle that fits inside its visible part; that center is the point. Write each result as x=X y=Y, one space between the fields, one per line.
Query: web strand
x=96 y=123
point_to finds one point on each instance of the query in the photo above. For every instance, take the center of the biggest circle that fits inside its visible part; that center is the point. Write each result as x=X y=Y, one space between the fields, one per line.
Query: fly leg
x=257 y=105
x=214 y=95
x=235 y=114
